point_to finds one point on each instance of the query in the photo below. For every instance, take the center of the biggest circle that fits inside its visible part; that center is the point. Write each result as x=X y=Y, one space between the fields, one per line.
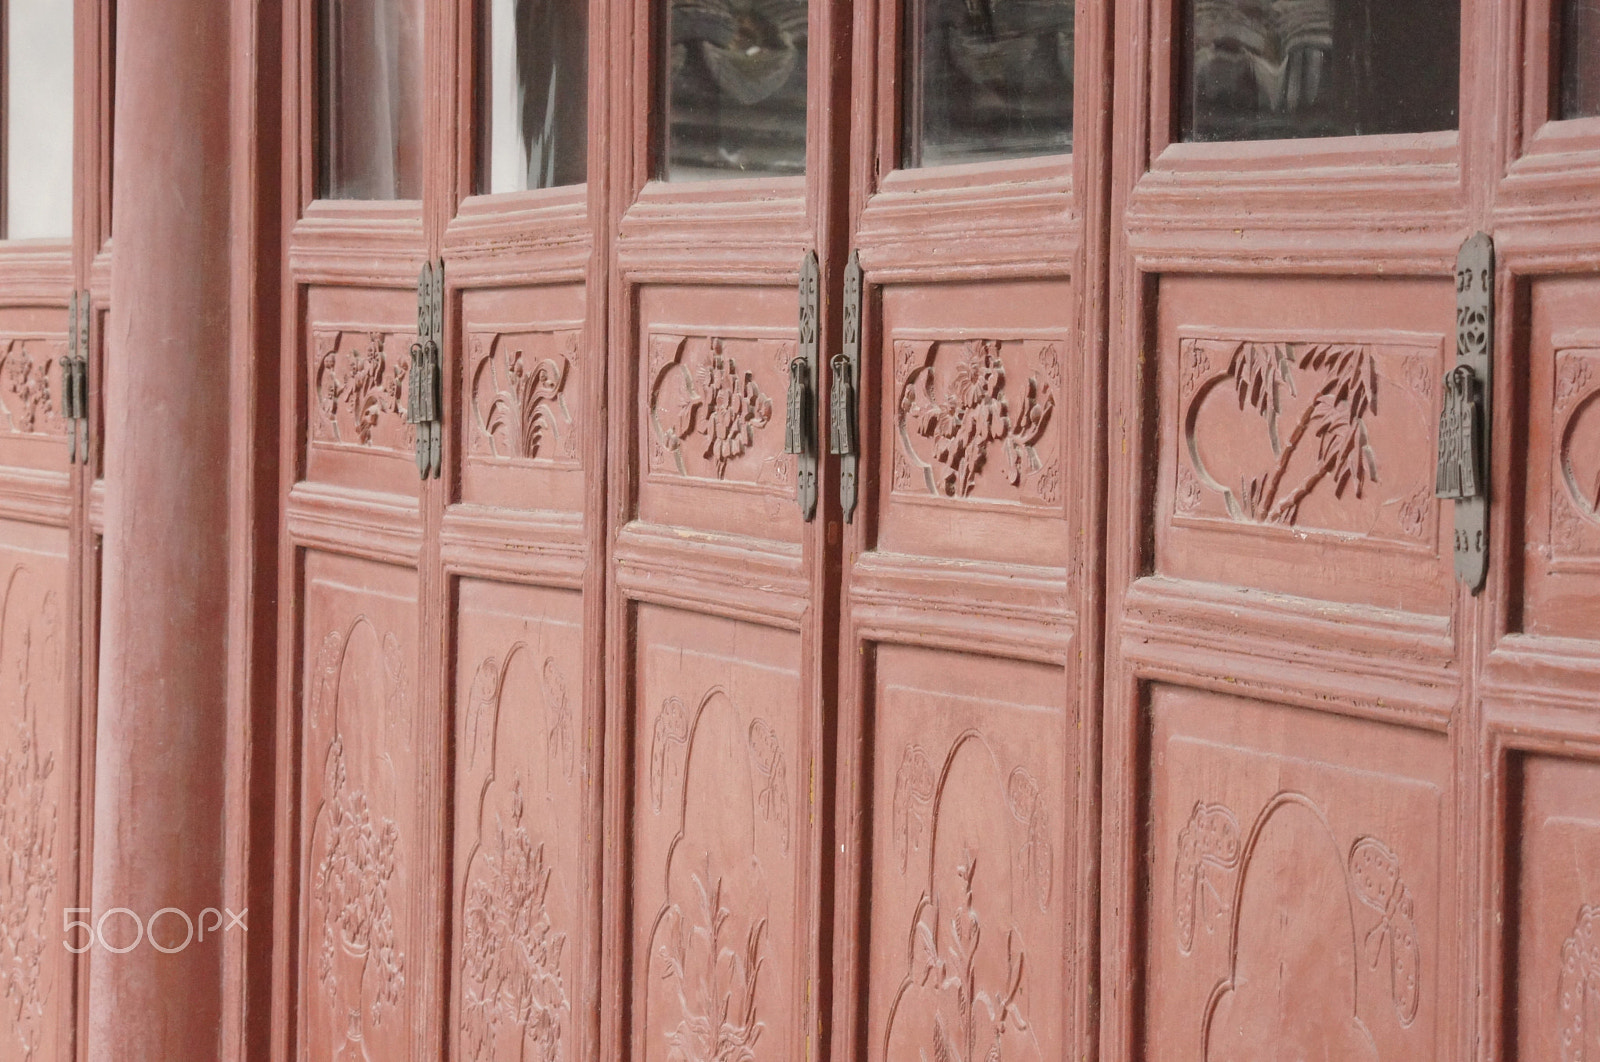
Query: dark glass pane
x=38 y=127
x=736 y=88
x=370 y=77
x=533 y=94
x=1268 y=69
x=987 y=79
x=1580 y=58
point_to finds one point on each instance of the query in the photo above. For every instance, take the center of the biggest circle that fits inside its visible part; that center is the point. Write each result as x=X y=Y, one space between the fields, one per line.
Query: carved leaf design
x=27 y=867
x=518 y=398
x=716 y=981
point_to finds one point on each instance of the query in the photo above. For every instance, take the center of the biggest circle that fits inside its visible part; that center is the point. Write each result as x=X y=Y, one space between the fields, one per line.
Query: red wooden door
x=440 y=588
x=1349 y=803
x=54 y=219
x=970 y=619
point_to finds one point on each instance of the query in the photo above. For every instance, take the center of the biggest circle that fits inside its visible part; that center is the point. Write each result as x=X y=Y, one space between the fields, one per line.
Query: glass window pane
x=38 y=142
x=1269 y=69
x=988 y=79
x=1580 y=59
x=736 y=88
x=370 y=118
x=533 y=95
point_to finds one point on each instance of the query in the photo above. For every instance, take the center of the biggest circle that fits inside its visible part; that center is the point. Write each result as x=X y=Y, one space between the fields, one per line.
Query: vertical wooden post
x=160 y=761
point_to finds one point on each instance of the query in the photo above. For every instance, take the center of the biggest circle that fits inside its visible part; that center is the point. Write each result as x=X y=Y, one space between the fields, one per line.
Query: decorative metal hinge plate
x=1464 y=419
x=75 y=379
x=423 y=398
x=799 y=432
x=843 y=430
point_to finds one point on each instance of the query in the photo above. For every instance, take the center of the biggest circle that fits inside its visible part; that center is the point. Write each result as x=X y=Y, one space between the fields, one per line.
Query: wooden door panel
x=38 y=792
x=1298 y=427
x=364 y=860
x=712 y=410
x=33 y=340
x=721 y=826
x=968 y=891
x=1554 y=917
x=358 y=355
x=522 y=397
x=974 y=402
x=1561 y=546
x=1299 y=886
x=521 y=882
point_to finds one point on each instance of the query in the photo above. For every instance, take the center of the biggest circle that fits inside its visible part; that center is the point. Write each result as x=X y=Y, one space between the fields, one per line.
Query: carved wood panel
x=1298 y=440
x=357 y=359
x=720 y=816
x=33 y=341
x=1555 y=920
x=1299 y=897
x=969 y=899
x=521 y=873
x=360 y=889
x=38 y=793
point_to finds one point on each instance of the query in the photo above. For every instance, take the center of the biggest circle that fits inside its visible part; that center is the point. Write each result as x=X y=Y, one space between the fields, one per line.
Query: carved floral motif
x=27 y=379
x=360 y=398
x=913 y=802
x=1579 y=993
x=27 y=873
x=511 y=954
x=1035 y=858
x=1208 y=851
x=973 y=419
x=518 y=398
x=772 y=799
x=715 y=976
x=705 y=410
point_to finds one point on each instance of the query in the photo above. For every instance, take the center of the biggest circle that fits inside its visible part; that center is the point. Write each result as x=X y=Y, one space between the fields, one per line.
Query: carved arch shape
x=353 y=852
x=985 y=1018
x=1343 y=1034
x=511 y=965
x=1585 y=499
x=700 y=939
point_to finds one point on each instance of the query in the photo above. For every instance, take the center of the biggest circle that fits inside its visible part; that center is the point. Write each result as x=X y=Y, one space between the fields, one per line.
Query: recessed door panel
x=363 y=874
x=523 y=397
x=722 y=823
x=521 y=870
x=972 y=828
x=1299 y=896
x=1299 y=426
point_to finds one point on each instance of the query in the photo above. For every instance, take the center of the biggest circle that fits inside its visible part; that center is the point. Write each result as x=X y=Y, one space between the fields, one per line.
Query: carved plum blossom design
x=913 y=802
x=368 y=390
x=722 y=405
x=1567 y=525
x=351 y=885
x=1195 y=368
x=1189 y=492
x=1375 y=875
x=1580 y=989
x=1414 y=513
x=716 y=978
x=971 y=417
x=518 y=400
x=1208 y=851
x=772 y=800
x=978 y=1012
x=28 y=379
x=1573 y=377
x=27 y=872
x=511 y=953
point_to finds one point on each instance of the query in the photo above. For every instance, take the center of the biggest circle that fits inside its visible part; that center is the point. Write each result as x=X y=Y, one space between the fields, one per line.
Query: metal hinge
x=1464 y=418
x=423 y=399
x=798 y=430
x=75 y=379
x=845 y=386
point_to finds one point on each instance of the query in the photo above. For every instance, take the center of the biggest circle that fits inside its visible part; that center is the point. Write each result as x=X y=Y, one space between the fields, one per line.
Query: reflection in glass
x=533 y=95
x=370 y=119
x=1267 y=69
x=1580 y=59
x=736 y=88
x=988 y=79
x=38 y=126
